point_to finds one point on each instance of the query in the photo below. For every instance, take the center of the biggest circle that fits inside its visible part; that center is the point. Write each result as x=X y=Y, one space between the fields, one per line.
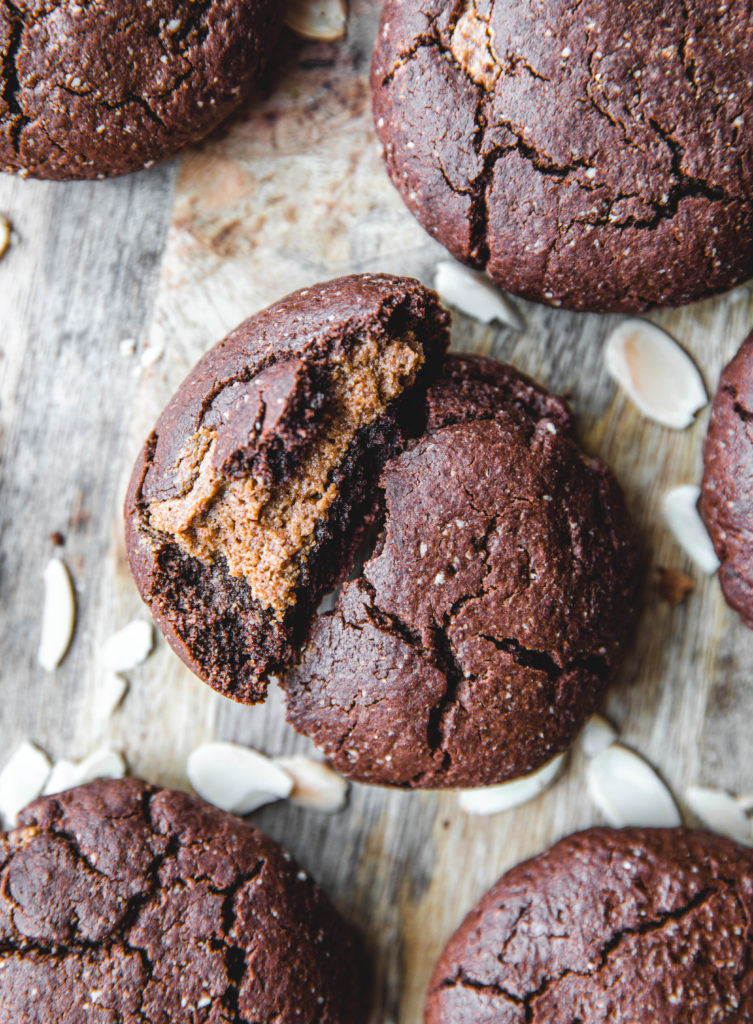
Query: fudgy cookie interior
x=264 y=528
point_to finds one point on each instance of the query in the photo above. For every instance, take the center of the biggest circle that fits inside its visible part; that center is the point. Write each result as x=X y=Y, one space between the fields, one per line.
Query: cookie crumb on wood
x=674 y=585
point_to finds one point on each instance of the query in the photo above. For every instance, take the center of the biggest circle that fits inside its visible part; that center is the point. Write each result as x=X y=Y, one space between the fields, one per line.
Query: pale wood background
x=290 y=192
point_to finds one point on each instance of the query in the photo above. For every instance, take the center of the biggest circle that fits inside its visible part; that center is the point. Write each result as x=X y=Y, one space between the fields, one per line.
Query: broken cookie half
x=249 y=498
x=483 y=631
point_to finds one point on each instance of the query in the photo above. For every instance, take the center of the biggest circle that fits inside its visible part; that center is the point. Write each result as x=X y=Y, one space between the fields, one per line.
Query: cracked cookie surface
x=99 y=88
x=635 y=925
x=126 y=904
x=484 y=629
x=727 y=490
x=589 y=155
x=248 y=500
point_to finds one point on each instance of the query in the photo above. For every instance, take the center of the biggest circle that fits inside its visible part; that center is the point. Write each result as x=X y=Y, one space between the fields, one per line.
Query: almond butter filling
x=471 y=47
x=264 y=533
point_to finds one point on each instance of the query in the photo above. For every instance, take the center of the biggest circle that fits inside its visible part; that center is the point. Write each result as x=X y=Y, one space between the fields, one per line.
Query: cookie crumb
x=674 y=585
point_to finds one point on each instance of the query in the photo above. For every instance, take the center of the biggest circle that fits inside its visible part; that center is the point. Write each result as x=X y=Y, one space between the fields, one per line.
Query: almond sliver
x=680 y=509
x=5 y=235
x=629 y=792
x=657 y=375
x=316 y=786
x=474 y=295
x=58 y=615
x=22 y=780
x=597 y=735
x=322 y=20
x=720 y=812
x=495 y=799
x=128 y=647
x=236 y=778
x=102 y=764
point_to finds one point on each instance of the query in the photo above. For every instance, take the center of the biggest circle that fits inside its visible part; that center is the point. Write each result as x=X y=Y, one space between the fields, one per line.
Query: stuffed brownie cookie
x=485 y=627
x=487 y=624
x=124 y=902
x=90 y=90
x=249 y=498
x=608 y=927
x=727 y=490
x=592 y=155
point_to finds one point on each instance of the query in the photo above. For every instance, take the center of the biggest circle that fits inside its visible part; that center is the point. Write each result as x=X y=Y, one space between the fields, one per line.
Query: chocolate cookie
x=89 y=90
x=727 y=491
x=585 y=154
x=248 y=500
x=484 y=629
x=125 y=903
x=635 y=925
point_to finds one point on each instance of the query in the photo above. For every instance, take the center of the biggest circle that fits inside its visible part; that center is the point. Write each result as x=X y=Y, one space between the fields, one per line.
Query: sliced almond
x=22 y=780
x=680 y=508
x=655 y=373
x=720 y=812
x=62 y=777
x=597 y=735
x=109 y=695
x=628 y=791
x=58 y=615
x=740 y=294
x=151 y=354
x=323 y=20
x=474 y=295
x=129 y=646
x=495 y=799
x=102 y=764
x=315 y=785
x=6 y=229
x=236 y=778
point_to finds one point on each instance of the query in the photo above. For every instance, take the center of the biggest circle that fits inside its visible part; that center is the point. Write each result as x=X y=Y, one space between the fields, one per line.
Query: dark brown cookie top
x=101 y=88
x=248 y=500
x=727 y=491
x=586 y=154
x=484 y=629
x=122 y=902
x=635 y=925
x=476 y=388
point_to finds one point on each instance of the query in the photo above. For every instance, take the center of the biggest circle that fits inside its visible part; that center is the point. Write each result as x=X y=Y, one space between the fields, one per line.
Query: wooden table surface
x=289 y=192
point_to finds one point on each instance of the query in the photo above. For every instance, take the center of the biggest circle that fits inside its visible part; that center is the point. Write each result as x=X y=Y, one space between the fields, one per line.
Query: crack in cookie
x=123 y=902
x=632 y=924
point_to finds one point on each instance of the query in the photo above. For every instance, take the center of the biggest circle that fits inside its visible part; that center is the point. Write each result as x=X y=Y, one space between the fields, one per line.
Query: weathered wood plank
x=290 y=192
x=79 y=278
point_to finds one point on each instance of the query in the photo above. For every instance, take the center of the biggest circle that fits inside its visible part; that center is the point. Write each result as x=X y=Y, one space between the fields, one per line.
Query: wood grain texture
x=292 y=191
